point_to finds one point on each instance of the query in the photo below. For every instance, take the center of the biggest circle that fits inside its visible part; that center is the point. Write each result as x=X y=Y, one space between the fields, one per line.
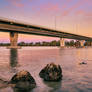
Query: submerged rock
x=51 y=72
x=23 y=81
x=82 y=63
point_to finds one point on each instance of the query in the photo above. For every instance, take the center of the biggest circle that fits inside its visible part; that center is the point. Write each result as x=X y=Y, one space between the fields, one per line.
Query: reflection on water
x=55 y=86
x=76 y=78
x=18 y=90
x=13 y=59
x=82 y=55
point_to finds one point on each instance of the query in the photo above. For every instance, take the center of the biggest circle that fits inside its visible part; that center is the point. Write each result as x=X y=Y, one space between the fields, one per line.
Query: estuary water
x=76 y=77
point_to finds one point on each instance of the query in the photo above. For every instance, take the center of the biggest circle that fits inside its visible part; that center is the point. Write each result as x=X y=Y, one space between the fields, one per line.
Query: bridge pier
x=13 y=41
x=62 y=42
x=91 y=44
x=82 y=43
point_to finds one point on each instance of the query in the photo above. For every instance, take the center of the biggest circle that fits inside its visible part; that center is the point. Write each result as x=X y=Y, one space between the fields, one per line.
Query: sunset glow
x=72 y=16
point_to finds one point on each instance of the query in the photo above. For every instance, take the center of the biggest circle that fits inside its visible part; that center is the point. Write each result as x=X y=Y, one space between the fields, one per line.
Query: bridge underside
x=47 y=33
x=15 y=28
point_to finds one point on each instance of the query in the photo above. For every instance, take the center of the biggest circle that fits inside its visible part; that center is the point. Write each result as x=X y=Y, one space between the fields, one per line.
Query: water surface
x=76 y=78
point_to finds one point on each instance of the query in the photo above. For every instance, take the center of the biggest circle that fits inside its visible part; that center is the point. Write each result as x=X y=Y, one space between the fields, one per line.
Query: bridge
x=16 y=27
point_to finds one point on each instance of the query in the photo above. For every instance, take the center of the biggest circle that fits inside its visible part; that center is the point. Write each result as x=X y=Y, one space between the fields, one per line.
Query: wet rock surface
x=51 y=72
x=23 y=81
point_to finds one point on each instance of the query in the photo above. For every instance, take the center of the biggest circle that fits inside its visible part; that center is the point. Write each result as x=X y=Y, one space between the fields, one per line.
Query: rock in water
x=23 y=81
x=51 y=72
x=82 y=63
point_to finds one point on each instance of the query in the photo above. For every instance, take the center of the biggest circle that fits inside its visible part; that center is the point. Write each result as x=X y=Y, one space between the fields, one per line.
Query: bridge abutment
x=62 y=42
x=13 y=41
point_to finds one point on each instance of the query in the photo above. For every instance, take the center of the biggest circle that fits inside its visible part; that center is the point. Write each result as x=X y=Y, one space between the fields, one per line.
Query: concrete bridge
x=15 y=27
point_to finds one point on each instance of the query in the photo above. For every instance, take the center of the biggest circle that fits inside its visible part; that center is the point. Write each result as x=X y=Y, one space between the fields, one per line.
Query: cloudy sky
x=72 y=16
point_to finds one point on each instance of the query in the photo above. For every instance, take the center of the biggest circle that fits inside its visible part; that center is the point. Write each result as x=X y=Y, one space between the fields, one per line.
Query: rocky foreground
x=20 y=82
x=51 y=72
x=23 y=81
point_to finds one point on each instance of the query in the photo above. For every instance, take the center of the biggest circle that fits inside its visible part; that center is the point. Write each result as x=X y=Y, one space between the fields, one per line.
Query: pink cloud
x=62 y=10
x=83 y=12
x=16 y=3
x=68 y=11
x=79 y=12
x=66 y=4
x=50 y=7
x=88 y=1
x=88 y=14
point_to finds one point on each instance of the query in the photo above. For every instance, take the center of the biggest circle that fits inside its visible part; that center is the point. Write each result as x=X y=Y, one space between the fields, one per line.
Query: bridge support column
x=82 y=43
x=62 y=42
x=90 y=43
x=13 y=41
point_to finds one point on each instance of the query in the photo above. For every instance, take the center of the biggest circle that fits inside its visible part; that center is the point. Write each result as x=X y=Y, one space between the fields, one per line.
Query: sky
x=72 y=16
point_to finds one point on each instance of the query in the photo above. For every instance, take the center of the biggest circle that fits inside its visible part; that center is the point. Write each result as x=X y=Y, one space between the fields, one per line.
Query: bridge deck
x=10 y=26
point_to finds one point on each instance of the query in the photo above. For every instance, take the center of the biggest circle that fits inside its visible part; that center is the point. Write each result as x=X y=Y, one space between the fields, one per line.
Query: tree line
x=52 y=43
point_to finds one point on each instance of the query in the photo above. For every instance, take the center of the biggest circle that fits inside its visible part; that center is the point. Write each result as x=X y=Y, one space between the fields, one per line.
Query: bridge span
x=15 y=27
